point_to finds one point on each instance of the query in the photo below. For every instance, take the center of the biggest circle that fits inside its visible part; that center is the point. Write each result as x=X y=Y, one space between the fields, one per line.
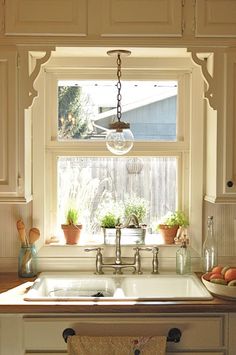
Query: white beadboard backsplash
x=9 y=240
x=224 y=226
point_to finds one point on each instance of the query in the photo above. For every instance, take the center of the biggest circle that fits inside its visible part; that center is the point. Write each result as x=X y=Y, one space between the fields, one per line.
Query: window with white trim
x=80 y=166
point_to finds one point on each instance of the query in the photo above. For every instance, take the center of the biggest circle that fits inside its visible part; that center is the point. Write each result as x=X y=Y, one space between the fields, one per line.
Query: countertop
x=13 y=288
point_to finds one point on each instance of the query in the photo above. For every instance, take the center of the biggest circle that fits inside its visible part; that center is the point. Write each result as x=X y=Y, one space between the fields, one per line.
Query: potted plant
x=108 y=222
x=170 y=224
x=72 y=228
x=135 y=210
x=130 y=214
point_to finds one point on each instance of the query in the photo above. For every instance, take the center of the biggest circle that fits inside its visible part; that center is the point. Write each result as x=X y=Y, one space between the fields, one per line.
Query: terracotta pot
x=168 y=233
x=71 y=233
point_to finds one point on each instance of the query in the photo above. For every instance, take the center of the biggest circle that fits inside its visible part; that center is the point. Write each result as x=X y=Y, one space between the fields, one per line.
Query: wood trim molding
x=29 y=93
x=214 y=77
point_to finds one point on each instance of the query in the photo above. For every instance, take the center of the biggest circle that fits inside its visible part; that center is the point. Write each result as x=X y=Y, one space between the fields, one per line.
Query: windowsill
x=61 y=249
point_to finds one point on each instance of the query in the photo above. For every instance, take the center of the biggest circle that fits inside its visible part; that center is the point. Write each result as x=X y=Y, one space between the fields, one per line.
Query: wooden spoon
x=34 y=235
x=21 y=230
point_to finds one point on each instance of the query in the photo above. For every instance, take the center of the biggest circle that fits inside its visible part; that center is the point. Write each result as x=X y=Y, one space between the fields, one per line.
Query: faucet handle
x=93 y=249
x=155 y=251
x=98 y=259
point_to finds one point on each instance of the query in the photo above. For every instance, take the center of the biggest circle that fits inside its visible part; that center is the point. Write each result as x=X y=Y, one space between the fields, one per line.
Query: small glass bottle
x=27 y=261
x=209 y=248
x=183 y=259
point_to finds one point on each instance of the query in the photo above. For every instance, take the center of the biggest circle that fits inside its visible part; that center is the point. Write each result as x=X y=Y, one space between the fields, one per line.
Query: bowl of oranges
x=221 y=281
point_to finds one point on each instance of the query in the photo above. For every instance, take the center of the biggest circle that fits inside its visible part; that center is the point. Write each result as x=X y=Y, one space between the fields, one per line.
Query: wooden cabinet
x=11 y=335
x=200 y=333
x=46 y=17
x=120 y=18
x=215 y=18
x=15 y=153
x=230 y=125
x=80 y=17
x=232 y=338
x=8 y=124
x=219 y=71
x=141 y=18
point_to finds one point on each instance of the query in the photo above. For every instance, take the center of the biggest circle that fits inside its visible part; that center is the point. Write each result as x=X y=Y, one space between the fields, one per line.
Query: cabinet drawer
x=197 y=332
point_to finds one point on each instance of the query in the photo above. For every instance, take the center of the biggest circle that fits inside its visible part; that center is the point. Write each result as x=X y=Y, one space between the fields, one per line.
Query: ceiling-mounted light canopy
x=119 y=139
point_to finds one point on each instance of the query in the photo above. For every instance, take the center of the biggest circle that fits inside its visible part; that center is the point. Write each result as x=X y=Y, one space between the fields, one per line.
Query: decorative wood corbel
x=27 y=78
x=210 y=93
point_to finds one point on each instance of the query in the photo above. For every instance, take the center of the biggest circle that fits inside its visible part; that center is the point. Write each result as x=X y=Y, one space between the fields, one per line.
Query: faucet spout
x=117 y=264
x=118 y=260
x=131 y=220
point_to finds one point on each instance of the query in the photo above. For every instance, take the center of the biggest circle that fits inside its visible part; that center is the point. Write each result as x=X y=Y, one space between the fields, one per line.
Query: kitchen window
x=167 y=145
x=101 y=185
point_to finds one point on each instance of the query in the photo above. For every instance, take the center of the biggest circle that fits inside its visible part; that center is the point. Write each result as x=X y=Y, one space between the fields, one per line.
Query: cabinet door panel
x=230 y=134
x=8 y=124
x=46 y=17
x=141 y=18
x=215 y=18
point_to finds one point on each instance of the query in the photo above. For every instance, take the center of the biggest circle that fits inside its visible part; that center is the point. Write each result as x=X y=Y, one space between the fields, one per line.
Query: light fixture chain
x=119 y=87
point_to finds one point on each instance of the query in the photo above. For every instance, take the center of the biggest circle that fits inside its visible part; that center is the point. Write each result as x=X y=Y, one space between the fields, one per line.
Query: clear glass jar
x=27 y=261
x=183 y=260
x=209 y=248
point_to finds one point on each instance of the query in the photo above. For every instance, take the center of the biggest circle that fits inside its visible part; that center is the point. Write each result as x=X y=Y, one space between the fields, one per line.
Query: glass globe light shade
x=119 y=141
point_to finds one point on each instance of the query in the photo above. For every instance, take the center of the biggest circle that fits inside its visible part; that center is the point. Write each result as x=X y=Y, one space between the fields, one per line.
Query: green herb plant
x=177 y=218
x=72 y=216
x=109 y=220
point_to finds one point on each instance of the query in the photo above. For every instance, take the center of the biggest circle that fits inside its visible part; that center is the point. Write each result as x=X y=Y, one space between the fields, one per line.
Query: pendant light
x=119 y=139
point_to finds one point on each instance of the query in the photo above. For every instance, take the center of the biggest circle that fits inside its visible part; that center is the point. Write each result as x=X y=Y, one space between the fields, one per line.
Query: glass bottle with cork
x=209 y=248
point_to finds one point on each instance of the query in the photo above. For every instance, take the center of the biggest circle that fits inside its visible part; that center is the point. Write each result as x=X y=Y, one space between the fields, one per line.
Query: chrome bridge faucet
x=118 y=265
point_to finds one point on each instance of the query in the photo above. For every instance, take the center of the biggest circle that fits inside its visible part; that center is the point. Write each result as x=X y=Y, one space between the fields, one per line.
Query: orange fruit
x=230 y=274
x=217 y=269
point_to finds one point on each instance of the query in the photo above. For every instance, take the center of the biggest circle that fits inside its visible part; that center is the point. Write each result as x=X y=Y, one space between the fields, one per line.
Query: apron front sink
x=71 y=286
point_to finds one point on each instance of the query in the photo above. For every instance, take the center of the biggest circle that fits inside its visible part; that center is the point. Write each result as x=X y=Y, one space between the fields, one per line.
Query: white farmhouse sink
x=177 y=287
x=72 y=286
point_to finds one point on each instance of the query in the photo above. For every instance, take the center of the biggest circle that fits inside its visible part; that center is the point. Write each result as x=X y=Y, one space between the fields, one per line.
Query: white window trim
x=42 y=207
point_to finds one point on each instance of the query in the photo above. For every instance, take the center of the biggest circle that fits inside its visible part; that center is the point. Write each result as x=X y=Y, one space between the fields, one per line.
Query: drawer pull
x=67 y=332
x=174 y=334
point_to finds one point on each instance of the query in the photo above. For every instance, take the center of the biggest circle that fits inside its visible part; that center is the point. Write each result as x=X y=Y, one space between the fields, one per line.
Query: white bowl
x=220 y=290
